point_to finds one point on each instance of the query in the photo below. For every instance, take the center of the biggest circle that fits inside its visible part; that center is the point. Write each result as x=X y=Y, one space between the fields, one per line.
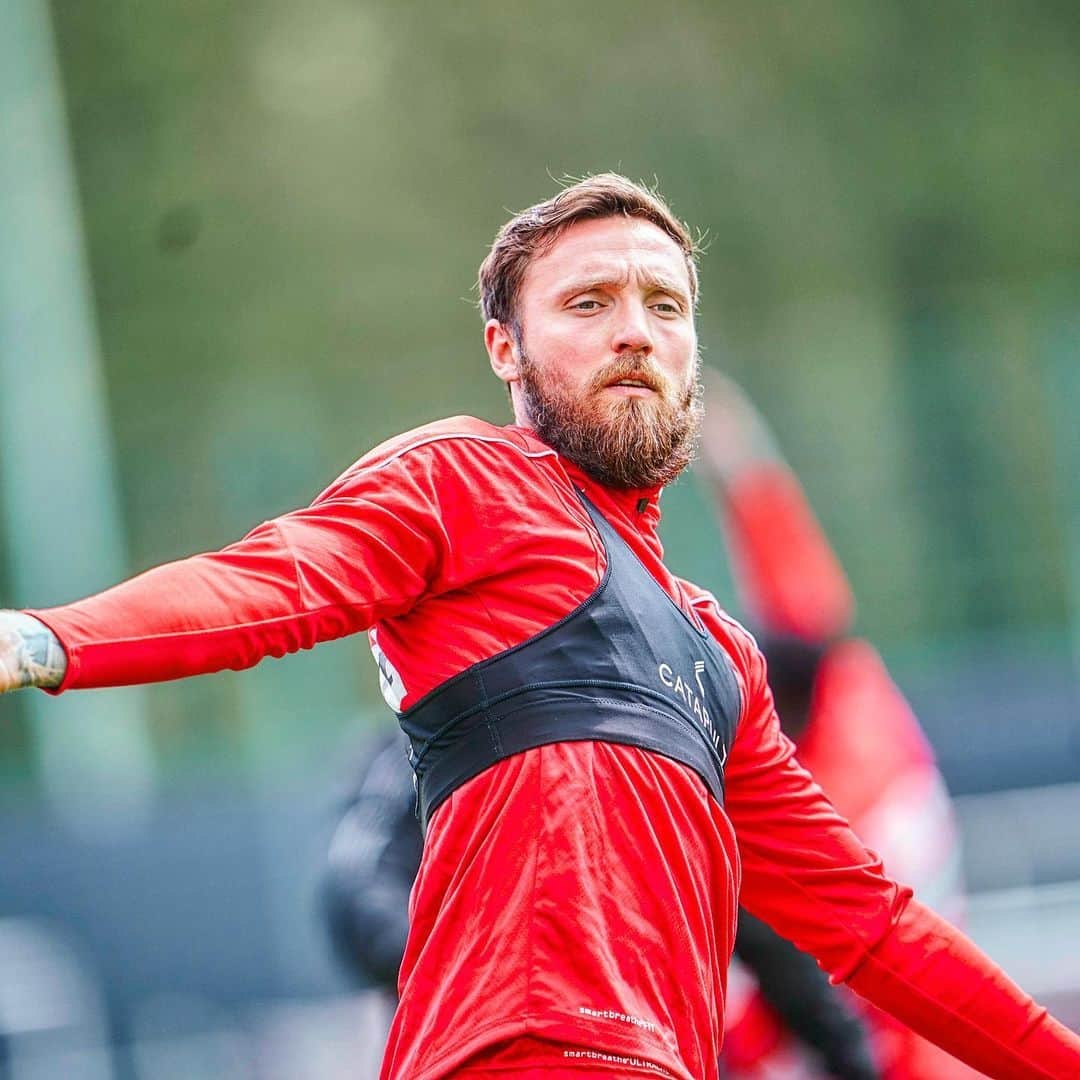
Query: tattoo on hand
x=30 y=653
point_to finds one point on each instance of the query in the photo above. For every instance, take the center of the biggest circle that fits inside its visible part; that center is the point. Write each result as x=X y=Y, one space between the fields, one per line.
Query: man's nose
x=631 y=330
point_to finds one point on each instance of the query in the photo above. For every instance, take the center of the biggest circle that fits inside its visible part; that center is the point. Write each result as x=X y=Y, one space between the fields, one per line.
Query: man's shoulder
x=454 y=440
x=702 y=600
x=735 y=640
x=728 y=630
x=457 y=433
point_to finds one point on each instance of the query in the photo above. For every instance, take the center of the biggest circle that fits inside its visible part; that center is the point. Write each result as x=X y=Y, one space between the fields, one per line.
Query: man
x=589 y=733
x=376 y=849
x=852 y=728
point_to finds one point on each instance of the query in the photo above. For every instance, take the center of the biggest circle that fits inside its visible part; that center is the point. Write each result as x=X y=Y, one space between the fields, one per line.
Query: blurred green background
x=284 y=207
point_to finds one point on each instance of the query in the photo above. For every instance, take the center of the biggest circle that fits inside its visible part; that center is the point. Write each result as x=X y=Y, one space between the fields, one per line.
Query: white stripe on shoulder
x=708 y=600
x=547 y=452
x=725 y=617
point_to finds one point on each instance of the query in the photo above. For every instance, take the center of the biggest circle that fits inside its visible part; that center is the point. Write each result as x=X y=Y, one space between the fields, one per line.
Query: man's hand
x=30 y=654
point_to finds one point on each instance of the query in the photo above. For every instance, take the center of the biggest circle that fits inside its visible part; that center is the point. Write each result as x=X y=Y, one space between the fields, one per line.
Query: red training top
x=577 y=899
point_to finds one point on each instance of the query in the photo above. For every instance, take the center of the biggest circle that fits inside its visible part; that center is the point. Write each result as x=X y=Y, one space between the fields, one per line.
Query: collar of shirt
x=637 y=509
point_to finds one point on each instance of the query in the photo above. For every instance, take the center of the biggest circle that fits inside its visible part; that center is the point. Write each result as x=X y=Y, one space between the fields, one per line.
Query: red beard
x=621 y=442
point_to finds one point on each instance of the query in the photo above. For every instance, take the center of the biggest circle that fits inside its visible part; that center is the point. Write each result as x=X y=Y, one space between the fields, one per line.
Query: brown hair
x=533 y=231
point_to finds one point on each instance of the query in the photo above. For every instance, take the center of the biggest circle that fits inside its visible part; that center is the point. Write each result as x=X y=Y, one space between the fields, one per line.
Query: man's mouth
x=636 y=384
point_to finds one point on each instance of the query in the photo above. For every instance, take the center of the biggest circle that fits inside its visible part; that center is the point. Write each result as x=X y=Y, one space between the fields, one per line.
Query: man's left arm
x=808 y=876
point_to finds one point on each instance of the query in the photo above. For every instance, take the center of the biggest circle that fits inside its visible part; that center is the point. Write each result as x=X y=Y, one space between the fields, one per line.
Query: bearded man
x=599 y=766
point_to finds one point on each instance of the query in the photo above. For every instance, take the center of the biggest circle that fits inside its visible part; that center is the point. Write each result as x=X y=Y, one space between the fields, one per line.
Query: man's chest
x=503 y=587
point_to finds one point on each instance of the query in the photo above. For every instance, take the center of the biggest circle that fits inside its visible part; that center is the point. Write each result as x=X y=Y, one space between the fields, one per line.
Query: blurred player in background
x=854 y=731
x=372 y=863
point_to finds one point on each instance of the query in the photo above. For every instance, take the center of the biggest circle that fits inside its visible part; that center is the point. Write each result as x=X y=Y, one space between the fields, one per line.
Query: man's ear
x=502 y=351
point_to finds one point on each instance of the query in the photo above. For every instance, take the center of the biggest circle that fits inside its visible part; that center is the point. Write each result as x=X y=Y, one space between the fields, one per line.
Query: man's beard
x=621 y=442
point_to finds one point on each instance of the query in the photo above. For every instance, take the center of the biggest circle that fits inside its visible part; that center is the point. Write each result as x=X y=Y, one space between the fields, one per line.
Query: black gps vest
x=625 y=666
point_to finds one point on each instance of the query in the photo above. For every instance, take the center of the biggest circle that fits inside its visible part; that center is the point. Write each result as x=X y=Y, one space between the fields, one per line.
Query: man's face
x=605 y=365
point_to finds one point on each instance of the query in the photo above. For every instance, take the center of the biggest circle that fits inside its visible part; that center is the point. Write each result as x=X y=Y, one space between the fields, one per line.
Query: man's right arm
x=30 y=653
x=366 y=550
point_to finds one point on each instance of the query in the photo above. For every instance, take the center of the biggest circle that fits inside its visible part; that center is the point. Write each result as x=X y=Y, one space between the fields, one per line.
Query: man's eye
x=666 y=307
x=586 y=305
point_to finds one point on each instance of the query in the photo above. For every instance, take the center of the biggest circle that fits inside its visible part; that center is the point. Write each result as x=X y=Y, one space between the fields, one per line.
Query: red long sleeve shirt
x=577 y=899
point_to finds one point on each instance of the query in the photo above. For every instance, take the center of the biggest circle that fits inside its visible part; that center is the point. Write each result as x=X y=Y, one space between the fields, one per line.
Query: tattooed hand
x=30 y=654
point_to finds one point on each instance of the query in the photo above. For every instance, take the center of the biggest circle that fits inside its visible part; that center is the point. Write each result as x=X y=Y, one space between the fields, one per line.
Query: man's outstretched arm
x=807 y=875
x=30 y=654
x=368 y=549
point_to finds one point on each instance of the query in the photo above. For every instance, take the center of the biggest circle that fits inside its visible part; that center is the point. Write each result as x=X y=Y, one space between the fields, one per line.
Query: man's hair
x=530 y=233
